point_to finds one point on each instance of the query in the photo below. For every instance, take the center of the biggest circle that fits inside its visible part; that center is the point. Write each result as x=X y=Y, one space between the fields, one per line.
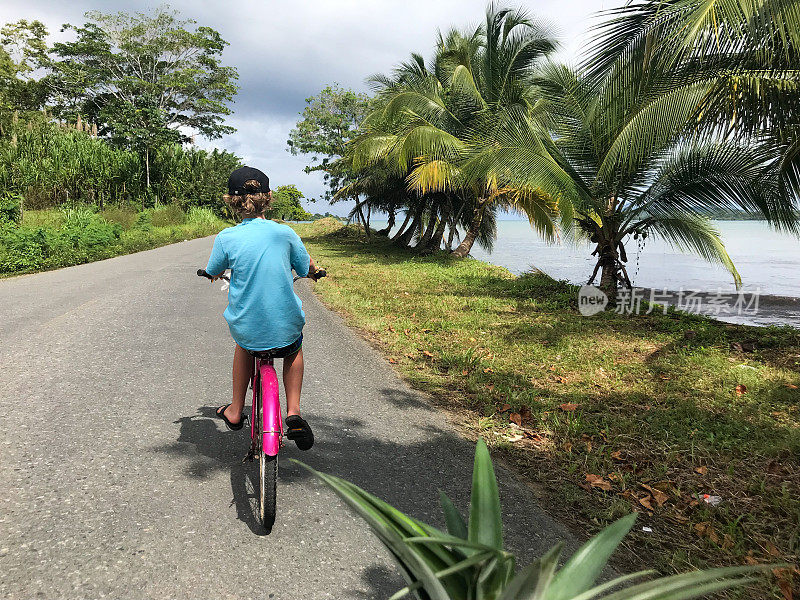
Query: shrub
x=121 y=215
x=468 y=561
x=167 y=216
x=10 y=209
x=201 y=216
x=83 y=236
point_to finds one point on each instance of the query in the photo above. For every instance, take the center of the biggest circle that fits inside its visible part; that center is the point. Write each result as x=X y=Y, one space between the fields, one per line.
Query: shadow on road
x=406 y=474
x=200 y=439
x=406 y=470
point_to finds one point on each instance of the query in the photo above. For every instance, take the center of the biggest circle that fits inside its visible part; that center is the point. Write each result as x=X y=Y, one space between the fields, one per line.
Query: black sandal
x=232 y=426
x=298 y=430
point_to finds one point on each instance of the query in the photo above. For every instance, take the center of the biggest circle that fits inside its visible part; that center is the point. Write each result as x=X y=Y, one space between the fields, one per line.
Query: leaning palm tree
x=628 y=161
x=432 y=118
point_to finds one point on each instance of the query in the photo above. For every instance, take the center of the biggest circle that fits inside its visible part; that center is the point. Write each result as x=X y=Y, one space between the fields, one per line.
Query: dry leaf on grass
x=785 y=579
x=659 y=496
x=390 y=328
x=505 y=408
x=488 y=370
x=646 y=502
x=705 y=529
x=515 y=418
x=701 y=470
x=786 y=589
x=596 y=481
x=393 y=361
x=428 y=353
x=568 y=407
x=791 y=386
x=617 y=455
x=772 y=549
x=740 y=389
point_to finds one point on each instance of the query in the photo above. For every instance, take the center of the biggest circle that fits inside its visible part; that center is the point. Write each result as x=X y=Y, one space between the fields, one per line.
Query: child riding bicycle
x=263 y=311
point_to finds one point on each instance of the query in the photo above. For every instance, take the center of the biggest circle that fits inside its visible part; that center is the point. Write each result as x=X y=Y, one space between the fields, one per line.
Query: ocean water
x=768 y=261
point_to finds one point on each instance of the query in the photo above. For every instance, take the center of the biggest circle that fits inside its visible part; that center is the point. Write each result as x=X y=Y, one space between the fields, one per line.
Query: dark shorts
x=289 y=350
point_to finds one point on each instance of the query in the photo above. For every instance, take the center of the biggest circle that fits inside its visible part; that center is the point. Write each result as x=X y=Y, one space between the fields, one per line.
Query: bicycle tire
x=267 y=473
x=269 y=489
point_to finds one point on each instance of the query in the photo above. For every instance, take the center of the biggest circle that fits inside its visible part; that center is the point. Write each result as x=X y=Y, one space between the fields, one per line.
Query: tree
x=437 y=123
x=631 y=163
x=23 y=49
x=144 y=79
x=286 y=204
x=329 y=121
x=747 y=50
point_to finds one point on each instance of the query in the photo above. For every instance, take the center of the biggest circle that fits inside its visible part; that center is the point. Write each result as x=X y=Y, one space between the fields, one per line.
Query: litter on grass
x=712 y=500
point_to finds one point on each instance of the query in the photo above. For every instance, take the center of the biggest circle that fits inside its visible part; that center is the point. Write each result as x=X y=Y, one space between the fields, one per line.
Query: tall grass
x=51 y=164
x=53 y=238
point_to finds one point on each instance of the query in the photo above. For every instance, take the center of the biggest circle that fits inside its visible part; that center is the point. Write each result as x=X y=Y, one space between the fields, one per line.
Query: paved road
x=115 y=482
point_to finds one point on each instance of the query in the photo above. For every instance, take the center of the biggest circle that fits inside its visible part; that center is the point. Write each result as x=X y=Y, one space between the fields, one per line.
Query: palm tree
x=626 y=159
x=747 y=50
x=431 y=120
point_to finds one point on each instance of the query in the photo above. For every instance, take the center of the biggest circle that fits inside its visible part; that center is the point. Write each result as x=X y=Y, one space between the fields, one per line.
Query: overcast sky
x=288 y=51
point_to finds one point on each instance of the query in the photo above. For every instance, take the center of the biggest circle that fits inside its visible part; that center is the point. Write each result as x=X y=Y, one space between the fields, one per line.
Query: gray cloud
x=287 y=51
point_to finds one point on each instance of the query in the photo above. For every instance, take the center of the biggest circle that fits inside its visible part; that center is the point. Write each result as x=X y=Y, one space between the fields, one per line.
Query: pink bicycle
x=266 y=424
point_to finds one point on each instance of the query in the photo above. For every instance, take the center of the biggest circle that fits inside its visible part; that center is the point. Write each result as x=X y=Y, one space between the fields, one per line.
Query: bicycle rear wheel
x=267 y=470
x=268 y=467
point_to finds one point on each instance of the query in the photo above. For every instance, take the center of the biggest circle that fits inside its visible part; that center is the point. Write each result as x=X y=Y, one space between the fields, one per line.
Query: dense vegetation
x=603 y=415
x=49 y=239
x=96 y=155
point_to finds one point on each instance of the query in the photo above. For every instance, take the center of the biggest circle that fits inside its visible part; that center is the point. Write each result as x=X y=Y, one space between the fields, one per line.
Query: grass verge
x=605 y=414
x=51 y=239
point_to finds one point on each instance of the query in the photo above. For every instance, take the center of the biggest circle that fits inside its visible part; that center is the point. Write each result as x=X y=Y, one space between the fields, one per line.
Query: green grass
x=623 y=402
x=50 y=239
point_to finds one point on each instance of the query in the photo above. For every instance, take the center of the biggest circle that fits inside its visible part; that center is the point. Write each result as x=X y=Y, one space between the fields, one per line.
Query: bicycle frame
x=266 y=381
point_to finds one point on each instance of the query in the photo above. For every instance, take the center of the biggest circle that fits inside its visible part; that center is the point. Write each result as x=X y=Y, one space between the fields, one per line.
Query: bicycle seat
x=264 y=354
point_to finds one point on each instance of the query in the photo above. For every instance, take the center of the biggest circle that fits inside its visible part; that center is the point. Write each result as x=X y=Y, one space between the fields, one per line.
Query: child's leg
x=243 y=365
x=293 y=381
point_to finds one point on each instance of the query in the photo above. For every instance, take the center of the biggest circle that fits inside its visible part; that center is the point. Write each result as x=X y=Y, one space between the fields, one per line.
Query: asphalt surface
x=116 y=482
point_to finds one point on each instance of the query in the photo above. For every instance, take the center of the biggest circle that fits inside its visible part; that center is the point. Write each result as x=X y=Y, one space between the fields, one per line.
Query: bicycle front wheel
x=268 y=467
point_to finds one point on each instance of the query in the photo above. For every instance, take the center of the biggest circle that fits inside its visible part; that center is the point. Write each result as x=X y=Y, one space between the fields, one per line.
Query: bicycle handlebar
x=207 y=275
x=316 y=275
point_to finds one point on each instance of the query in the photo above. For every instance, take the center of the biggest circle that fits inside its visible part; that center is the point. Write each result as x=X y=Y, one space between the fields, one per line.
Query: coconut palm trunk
x=364 y=221
x=430 y=228
x=405 y=239
x=399 y=233
x=436 y=241
x=390 y=223
x=474 y=228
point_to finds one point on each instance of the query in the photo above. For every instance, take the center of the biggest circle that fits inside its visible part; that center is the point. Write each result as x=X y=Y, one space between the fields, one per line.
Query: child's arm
x=218 y=261
x=300 y=260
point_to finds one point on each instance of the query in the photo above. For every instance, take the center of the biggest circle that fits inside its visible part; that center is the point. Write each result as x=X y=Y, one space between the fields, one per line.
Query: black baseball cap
x=238 y=178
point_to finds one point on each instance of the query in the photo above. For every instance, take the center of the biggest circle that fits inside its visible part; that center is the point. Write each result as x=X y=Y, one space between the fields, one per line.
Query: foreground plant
x=469 y=562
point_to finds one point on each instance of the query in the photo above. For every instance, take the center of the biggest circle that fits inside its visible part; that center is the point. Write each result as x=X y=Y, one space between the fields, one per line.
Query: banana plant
x=468 y=561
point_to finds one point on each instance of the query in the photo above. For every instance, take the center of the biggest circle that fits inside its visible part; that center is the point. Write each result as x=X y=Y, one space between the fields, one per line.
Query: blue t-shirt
x=263 y=310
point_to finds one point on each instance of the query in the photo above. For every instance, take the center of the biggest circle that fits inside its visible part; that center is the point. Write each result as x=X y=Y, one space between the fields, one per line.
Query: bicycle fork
x=265 y=385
